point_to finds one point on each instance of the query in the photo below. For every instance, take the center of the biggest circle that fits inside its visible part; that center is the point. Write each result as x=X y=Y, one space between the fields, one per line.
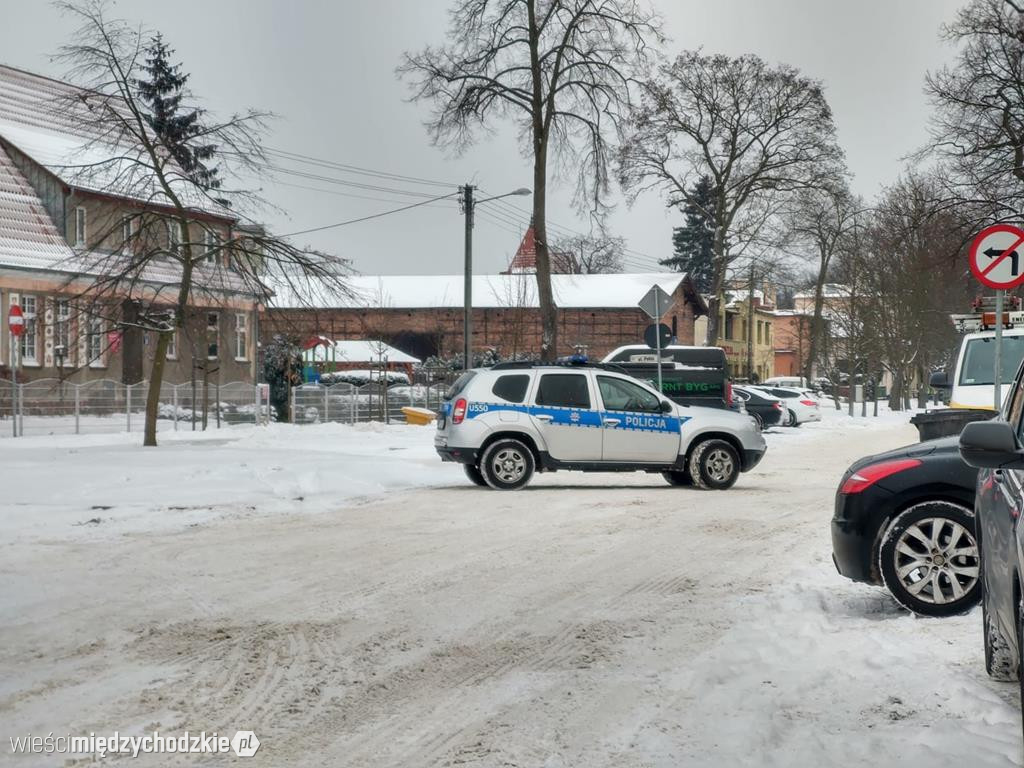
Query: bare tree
x=593 y=254
x=978 y=123
x=149 y=265
x=560 y=69
x=904 y=275
x=822 y=221
x=758 y=132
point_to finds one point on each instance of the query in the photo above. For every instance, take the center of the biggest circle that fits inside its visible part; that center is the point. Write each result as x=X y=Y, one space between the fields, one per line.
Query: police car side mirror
x=939 y=380
x=666 y=406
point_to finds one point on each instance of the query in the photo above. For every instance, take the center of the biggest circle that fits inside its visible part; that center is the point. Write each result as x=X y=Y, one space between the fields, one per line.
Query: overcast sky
x=327 y=70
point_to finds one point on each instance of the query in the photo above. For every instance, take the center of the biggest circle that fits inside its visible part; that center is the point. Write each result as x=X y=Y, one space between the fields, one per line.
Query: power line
x=349 y=194
x=355 y=169
x=367 y=218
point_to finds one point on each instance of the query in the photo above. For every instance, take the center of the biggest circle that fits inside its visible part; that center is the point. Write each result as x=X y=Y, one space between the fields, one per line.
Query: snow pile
x=194 y=477
x=777 y=672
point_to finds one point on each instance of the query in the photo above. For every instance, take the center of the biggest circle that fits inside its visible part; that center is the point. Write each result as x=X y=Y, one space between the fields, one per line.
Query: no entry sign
x=997 y=256
x=16 y=320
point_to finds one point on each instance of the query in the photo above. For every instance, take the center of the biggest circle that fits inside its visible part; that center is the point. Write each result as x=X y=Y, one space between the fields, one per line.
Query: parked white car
x=801 y=406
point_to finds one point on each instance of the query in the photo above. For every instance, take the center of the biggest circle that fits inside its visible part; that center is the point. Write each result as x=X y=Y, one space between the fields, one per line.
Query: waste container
x=945 y=422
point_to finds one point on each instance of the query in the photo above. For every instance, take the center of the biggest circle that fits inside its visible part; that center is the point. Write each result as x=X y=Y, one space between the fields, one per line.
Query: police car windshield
x=459 y=385
x=979 y=360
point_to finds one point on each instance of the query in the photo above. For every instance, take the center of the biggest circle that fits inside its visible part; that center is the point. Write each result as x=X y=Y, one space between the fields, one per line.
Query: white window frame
x=95 y=336
x=127 y=231
x=31 y=331
x=62 y=330
x=172 y=345
x=241 y=337
x=211 y=240
x=174 y=236
x=216 y=334
x=81 y=226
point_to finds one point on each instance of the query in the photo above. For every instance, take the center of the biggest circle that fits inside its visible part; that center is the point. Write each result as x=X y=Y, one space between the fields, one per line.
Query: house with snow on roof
x=421 y=315
x=51 y=216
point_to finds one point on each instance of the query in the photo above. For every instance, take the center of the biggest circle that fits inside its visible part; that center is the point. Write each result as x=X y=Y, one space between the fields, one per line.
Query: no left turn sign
x=997 y=256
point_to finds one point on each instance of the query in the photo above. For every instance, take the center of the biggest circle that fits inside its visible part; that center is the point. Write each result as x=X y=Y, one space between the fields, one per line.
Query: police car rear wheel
x=473 y=473
x=714 y=465
x=507 y=465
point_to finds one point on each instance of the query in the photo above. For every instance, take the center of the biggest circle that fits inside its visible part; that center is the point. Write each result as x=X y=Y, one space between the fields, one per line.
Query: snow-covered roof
x=355 y=351
x=45 y=120
x=829 y=291
x=28 y=237
x=489 y=291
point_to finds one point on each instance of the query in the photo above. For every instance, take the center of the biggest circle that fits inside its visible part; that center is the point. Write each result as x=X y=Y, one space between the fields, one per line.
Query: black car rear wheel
x=929 y=559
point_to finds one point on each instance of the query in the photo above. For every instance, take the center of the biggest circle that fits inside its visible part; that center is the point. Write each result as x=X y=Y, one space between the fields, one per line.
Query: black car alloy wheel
x=929 y=559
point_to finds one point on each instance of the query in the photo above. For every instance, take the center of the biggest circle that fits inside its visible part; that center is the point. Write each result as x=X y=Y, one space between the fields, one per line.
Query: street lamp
x=468 y=206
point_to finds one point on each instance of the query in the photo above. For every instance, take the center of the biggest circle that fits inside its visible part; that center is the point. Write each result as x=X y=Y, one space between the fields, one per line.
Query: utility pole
x=467 y=308
x=750 y=327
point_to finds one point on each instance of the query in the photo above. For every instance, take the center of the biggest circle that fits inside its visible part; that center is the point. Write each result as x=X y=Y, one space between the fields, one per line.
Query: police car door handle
x=611 y=422
x=543 y=416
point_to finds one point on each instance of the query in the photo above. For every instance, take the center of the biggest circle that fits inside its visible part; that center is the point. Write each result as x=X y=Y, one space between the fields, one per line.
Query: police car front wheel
x=714 y=465
x=507 y=465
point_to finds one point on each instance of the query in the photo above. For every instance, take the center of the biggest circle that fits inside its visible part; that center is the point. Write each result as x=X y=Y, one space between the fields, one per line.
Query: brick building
x=56 y=225
x=422 y=314
x=792 y=341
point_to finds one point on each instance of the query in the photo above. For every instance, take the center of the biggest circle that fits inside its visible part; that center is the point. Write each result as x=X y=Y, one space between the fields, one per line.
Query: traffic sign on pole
x=655 y=303
x=995 y=260
x=16 y=320
x=996 y=256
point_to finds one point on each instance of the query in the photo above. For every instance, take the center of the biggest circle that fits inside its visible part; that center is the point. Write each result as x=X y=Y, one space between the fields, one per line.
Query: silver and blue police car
x=506 y=422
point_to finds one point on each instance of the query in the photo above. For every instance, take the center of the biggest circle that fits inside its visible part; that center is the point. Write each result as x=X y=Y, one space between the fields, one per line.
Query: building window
x=29 y=337
x=94 y=340
x=174 y=236
x=127 y=231
x=212 y=335
x=62 y=333
x=172 y=346
x=80 y=227
x=241 y=336
x=728 y=325
x=211 y=241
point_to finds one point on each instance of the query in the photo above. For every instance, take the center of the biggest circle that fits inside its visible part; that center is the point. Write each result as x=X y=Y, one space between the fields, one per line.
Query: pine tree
x=693 y=243
x=179 y=130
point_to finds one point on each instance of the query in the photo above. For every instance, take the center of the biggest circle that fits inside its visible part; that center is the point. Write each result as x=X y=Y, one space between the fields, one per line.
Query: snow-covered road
x=588 y=620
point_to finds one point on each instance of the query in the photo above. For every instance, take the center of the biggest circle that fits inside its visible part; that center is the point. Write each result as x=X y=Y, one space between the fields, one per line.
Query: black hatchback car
x=905 y=519
x=766 y=409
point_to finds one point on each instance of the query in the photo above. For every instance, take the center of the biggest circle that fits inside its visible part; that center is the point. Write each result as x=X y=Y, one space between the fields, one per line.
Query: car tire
x=507 y=465
x=473 y=473
x=791 y=419
x=714 y=465
x=916 y=563
x=999 y=661
x=678 y=478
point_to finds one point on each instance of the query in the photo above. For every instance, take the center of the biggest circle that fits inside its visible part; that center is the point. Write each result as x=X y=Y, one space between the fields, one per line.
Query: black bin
x=945 y=422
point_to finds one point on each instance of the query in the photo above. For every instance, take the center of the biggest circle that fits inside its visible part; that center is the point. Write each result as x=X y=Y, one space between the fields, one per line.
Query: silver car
x=504 y=423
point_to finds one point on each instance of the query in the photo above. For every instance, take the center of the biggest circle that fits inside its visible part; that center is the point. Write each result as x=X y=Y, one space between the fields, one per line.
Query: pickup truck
x=689 y=375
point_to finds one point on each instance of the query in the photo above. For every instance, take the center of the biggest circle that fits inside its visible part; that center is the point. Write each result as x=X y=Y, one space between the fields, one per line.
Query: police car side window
x=565 y=390
x=511 y=387
x=619 y=395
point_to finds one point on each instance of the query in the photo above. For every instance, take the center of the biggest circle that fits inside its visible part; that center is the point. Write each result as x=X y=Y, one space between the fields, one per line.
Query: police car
x=504 y=423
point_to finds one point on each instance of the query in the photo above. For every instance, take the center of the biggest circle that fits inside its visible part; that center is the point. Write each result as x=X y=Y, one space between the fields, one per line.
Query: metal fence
x=349 y=404
x=53 y=406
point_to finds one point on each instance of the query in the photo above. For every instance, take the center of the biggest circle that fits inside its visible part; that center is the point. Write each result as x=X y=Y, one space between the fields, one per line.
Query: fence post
x=291 y=411
x=174 y=404
x=352 y=399
x=216 y=393
x=326 y=401
x=128 y=405
x=78 y=409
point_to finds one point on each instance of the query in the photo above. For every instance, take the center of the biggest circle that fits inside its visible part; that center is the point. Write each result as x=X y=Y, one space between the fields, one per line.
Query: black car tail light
x=867 y=476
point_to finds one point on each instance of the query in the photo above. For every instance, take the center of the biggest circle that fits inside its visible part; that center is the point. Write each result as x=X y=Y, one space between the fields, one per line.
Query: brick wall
x=513 y=331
